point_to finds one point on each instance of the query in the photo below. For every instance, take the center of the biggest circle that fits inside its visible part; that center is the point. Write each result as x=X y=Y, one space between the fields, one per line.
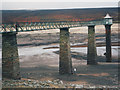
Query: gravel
x=28 y=83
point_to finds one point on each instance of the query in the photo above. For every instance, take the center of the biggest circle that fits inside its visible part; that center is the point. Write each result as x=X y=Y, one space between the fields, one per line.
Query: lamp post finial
x=107 y=16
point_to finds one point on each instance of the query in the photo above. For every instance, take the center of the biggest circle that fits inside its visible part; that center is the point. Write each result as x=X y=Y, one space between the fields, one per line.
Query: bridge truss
x=34 y=26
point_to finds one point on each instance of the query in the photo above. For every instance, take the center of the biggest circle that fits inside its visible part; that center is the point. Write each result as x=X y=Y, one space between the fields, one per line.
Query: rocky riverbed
x=28 y=83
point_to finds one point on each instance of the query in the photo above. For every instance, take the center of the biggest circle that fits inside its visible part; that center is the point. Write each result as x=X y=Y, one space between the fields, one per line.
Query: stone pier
x=91 y=52
x=10 y=58
x=65 y=62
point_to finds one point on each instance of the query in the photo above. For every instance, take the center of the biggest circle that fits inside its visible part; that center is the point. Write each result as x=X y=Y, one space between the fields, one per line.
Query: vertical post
x=65 y=62
x=108 y=23
x=10 y=59
x=108 y=43
x=91 y=52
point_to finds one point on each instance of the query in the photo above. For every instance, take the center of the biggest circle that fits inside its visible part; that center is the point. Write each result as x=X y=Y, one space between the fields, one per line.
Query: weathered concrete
x=10 y=59
x=65 y=62
x=108 y=43
x=91 y=54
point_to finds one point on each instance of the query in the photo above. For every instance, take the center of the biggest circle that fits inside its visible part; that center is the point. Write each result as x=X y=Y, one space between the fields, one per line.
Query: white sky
x=55 y=4
x=60 y=0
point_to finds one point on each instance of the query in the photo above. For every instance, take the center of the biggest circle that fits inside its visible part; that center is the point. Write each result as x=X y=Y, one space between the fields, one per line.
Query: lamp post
x=108 y=22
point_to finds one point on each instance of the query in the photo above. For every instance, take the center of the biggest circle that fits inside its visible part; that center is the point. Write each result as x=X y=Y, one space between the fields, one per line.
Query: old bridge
x=10 y=56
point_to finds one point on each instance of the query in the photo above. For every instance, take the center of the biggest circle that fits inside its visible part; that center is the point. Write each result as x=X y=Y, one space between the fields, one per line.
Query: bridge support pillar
x=91 y=52
x=10 y=59
x=65 y=62
x=108 y=43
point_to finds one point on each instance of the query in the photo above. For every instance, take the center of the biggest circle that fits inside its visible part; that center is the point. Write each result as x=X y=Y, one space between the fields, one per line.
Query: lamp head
x=108 y=20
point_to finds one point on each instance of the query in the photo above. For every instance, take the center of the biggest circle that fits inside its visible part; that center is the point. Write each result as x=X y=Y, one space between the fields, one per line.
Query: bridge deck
x=34 y=26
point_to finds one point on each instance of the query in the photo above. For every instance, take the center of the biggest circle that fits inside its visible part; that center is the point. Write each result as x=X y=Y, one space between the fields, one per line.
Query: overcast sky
x=60 y=0
x=55 y=4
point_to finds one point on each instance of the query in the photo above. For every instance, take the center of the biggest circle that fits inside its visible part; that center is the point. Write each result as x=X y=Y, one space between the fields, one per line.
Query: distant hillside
x=9 y=16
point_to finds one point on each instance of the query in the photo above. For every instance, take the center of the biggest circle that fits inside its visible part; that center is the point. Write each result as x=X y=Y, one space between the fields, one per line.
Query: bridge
x=10 y=56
